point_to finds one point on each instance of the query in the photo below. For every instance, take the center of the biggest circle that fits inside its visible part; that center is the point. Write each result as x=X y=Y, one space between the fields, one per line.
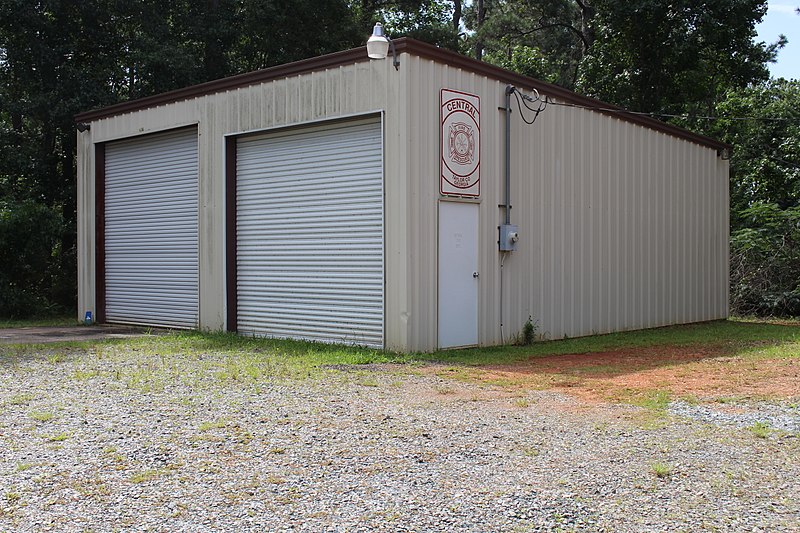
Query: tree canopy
x=61 y=57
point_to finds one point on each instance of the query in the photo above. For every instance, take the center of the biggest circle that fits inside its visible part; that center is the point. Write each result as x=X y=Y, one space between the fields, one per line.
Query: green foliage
x=765 y=196
x=31 y=238
x=546 y=40
x=674 y=57
x=527 y=60
x=765 y=262
x=431 y=21
x=661 y=470
x=765 y=164
x=760 y=430
x=528 y=332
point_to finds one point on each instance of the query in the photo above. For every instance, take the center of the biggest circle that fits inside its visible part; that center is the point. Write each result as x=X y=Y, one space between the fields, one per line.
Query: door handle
x=475 y=274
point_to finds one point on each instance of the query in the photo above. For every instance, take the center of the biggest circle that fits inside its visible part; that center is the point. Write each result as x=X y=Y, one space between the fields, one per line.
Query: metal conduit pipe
x=508 y=232
x=505 y=229
x=509 y=91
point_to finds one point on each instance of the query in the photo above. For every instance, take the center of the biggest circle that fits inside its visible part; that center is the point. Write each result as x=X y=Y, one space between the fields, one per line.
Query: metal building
x=343 y=200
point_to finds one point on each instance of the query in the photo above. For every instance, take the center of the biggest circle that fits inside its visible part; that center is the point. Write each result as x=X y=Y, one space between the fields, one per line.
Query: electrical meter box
x=508 y=237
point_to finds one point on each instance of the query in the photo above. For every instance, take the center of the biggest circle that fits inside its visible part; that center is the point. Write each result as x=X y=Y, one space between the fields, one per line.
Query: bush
x=30 y=238
x=765 y=262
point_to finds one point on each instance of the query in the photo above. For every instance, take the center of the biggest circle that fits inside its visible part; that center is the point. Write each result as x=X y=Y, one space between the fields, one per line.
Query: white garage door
x=151 y=230
x=309 y=234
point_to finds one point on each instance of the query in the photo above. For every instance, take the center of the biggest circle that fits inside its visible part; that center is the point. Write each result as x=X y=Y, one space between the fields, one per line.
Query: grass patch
x=661 y=470
x=20 y=399
x=61 y=320
x=522 y=402
x=154 y=363
x=760 y=430
x=208 y=426
x=736 y=335
x=656 y=400
x=59 y=437
x=41 y=416
x=146 y=475
x=83 y=375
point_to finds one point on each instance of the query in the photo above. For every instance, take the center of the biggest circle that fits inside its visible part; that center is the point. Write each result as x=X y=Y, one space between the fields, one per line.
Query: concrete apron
x=39 y=335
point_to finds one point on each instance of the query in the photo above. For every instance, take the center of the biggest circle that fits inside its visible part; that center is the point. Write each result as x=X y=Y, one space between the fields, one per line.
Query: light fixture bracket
x=379 y=44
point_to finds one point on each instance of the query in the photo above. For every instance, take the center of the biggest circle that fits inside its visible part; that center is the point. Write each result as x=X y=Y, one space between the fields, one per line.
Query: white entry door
x=458 y=274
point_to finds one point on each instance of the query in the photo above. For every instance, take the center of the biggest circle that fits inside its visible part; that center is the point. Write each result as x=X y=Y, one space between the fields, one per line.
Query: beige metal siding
x=350 y=90
x=621 y=227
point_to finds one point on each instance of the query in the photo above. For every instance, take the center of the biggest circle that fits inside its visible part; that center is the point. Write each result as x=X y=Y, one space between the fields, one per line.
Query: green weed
x=56 y=358
x=83 y=375
x=59 y=437
x=661 y=470
x=656 y=400
x=208 y=426
x=760 y=430
x=146 y=475
x=20 y=399
x=41 y=416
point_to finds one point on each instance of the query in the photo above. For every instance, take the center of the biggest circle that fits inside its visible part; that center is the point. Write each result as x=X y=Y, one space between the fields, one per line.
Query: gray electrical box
x=508 y=237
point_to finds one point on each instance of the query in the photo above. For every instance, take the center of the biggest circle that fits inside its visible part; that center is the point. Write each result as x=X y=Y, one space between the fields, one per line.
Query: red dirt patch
x=702 y=371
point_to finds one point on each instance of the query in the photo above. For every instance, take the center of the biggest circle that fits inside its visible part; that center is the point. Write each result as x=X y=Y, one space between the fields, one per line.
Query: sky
x=782 y=18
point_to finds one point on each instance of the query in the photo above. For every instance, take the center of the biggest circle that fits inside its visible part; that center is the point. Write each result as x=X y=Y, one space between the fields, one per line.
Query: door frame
x=230 y=166
x=478 y=246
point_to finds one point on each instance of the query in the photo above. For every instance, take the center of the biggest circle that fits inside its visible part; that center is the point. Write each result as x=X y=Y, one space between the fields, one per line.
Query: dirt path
x=703 y=372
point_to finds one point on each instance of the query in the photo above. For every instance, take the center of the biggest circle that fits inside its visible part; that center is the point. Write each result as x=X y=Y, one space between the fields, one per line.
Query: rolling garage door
x=151 y=206
x=309 y=234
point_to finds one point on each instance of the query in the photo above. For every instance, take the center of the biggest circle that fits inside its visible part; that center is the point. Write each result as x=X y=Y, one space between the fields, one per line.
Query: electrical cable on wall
x=523 y=101
x=549 y=101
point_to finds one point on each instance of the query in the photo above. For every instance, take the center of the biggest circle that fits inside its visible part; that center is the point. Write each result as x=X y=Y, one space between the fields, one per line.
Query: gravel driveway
x=103 y=440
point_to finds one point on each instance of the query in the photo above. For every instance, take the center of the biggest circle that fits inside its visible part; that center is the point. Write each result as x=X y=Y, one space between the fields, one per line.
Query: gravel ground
x=93 y=441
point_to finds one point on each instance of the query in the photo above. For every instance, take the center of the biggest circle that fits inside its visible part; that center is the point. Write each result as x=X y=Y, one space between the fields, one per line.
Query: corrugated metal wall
x=367 y=87
x=151 y=230
x=621 y=227
x=309 y=231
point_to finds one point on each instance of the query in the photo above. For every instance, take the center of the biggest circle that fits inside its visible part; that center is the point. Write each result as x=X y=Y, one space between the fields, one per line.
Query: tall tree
x=546 y=40
x=60 y=57
x=677 y=56
x=434 y=21
x=762 y=122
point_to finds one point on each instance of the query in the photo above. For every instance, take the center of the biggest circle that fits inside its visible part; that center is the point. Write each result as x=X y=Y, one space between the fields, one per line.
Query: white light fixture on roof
x=378 y=46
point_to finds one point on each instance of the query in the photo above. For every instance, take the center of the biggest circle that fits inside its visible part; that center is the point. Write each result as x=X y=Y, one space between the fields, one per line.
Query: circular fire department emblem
x=461 y=143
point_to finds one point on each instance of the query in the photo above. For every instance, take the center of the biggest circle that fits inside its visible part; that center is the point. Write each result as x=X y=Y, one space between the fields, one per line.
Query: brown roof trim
x=406 y=45
x=226 y=84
